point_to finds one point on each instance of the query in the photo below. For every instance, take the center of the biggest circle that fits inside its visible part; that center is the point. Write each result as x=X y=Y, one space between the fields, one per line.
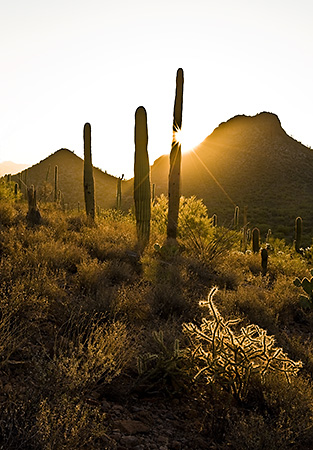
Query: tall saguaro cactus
x=89 y=187
x=175 y=160
x=142 y=190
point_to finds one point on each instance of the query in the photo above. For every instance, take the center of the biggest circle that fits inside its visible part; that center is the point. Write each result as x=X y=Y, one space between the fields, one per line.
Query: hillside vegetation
x=187 y=347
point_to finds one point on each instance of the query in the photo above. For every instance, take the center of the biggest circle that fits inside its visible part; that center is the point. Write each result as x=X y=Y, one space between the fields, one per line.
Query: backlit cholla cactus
x=230 y=358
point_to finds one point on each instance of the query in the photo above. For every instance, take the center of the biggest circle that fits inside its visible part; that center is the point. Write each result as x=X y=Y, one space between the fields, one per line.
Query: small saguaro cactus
x=119 y=192
x=142 y=189
x=298 y=234
x=175 y=160
x=264 y=260
x=33 y=216
x=244 y=230
x=256 y=240
x=56 y=184
x=89 y=188
x=236 y=218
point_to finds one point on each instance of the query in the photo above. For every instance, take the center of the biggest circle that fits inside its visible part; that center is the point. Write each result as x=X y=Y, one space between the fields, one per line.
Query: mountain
x=70 y=181
x=9 y=167
x=249 y=161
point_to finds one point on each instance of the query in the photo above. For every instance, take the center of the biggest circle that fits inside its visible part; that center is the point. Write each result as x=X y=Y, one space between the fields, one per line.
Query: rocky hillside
x=249 y=161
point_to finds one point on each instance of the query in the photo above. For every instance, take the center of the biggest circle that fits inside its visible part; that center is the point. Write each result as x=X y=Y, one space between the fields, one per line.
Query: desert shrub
x=131 y=302
x=111 y=240
x=7 y=191
x=88 y=352
x=12 y=334
x=8 y=214
x=164 y=368
x=66 y=422
x=232 y=359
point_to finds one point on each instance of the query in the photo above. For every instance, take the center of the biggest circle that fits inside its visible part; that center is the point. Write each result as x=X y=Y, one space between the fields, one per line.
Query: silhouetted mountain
x=9 y=167
x=70 y=175
x=249 y=161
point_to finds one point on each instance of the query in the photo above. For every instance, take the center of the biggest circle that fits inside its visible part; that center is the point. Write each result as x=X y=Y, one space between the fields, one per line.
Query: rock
x=130 y=426
x=129 y=441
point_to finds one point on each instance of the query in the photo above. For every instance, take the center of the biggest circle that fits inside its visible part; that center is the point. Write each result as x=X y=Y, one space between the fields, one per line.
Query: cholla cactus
x=228 y=358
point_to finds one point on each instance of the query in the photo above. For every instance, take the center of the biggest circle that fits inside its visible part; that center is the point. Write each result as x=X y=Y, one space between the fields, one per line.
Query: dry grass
x=78 y=307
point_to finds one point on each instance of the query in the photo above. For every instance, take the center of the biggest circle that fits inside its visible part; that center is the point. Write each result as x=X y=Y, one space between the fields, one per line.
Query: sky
x=67 y=62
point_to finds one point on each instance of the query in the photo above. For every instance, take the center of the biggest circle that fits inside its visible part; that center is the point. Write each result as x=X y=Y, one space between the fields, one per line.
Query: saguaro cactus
x=119 y=192
x=89 y=188
x=175 y=160
x=56 y=184
x=298 y=234
x=256 y=240
x=264 y=259
x=142 y=189
x=33 y=215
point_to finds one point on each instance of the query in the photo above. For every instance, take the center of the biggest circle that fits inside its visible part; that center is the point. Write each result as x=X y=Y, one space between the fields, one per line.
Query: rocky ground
x=155 y=424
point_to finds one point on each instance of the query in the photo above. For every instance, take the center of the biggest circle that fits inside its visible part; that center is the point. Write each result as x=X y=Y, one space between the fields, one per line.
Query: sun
x=187 y=140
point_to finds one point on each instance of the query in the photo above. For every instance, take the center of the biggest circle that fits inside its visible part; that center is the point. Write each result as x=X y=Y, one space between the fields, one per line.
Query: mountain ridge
x=249 y=161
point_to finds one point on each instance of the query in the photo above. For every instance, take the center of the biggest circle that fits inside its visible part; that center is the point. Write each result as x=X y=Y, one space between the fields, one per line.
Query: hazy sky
x=67 y=62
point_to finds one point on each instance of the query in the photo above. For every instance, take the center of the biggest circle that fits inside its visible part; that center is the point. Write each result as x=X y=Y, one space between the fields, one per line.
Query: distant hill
x=246 y=161
x=249 y=161
x=9 y=167
x=70 y=171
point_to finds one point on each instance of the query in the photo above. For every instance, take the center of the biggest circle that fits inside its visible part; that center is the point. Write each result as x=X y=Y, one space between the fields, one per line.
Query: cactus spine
x=142 y=189
x=256 y=240
x=298 y=234
x=175 y=160
x=89 y=188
